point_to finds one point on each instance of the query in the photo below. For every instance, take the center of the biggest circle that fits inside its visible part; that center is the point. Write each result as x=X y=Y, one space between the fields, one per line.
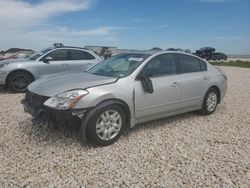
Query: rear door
x=194 y=79
x=59 y=62
x=167 y=88
x=81 y=60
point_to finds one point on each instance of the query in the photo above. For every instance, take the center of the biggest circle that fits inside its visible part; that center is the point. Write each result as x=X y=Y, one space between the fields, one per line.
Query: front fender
x=31 y=67
x=91 y=101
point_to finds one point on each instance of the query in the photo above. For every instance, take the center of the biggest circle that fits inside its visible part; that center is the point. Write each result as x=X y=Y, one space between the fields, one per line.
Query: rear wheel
x=106 y=125
x=210 y=102
x=19 y=81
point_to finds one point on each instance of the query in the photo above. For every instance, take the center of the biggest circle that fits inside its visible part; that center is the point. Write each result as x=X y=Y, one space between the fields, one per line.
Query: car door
x=58 y=62
x=81 y=60
x=194 y=79
x=166 y=96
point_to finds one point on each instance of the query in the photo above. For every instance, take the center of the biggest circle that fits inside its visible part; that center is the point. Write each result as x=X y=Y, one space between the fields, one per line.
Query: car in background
x=218 y=56
x=125 y=90
x=18 y=74
x=209 y=53
x=20 y=55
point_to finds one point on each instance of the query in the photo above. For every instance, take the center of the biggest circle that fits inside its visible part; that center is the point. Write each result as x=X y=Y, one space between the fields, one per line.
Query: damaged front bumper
x=52 y=117
x=33 y=104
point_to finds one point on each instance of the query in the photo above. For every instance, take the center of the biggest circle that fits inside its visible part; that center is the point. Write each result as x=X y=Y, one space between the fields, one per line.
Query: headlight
x=4 y=64
x=65 y=100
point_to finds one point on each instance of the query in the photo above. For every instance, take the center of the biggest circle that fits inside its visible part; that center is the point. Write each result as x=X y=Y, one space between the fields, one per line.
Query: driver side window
x=163 y=64
x=58 y=55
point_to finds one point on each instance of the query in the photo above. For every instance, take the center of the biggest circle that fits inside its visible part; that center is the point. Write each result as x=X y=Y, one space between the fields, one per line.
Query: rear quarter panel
x=216 y=79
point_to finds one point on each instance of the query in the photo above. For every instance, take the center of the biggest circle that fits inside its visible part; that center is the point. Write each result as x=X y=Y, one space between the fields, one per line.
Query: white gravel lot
x=183 y=151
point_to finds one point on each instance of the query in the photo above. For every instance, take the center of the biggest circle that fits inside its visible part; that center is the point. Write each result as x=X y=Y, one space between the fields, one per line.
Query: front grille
x=34 y=99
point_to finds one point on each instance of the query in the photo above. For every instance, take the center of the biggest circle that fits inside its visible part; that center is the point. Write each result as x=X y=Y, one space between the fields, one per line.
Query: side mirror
x=47 y=59
x=147 y=84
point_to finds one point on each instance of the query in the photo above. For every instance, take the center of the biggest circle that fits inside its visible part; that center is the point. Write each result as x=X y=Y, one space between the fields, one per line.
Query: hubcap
x=108 y=125
x=211 y=101
x=20 y=82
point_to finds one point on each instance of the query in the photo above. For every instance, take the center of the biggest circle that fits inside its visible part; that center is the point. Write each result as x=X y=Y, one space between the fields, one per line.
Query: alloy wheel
x=20 y=82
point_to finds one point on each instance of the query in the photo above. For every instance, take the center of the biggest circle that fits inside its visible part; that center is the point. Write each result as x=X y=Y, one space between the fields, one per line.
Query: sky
x=132 y=24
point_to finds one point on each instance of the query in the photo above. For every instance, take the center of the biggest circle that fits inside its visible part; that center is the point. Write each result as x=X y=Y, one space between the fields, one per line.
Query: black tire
x=205 y=110
x=19 y=81
x=91 y=131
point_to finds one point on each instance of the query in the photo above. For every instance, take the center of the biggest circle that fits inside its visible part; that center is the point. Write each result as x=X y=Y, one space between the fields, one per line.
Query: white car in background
x=18 y=74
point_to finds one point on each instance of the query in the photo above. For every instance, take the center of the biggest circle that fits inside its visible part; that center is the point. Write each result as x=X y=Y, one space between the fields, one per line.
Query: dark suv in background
x=209 y=53
x=219 y=56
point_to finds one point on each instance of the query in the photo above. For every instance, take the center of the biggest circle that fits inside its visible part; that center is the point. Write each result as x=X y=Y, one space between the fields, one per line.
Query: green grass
x=243 y=64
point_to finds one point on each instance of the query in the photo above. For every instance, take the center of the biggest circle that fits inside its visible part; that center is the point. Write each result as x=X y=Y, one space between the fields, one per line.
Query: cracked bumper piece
x=33 y=104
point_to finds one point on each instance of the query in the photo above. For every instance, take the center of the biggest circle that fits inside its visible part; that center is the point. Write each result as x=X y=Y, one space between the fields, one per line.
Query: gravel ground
x=183 y=151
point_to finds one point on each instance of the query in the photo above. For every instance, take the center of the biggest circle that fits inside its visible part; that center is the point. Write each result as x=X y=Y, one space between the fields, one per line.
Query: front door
x=166 y=84
x=59 y=63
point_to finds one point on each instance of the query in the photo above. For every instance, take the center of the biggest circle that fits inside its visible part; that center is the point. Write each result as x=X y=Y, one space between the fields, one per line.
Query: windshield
x=119 y=65
x=36 y=55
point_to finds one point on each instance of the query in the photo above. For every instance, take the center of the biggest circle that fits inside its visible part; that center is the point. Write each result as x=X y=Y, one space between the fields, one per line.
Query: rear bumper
x=223 y=90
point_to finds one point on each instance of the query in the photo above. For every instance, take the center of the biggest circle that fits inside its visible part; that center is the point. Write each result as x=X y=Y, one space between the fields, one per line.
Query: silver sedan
x=125 y=90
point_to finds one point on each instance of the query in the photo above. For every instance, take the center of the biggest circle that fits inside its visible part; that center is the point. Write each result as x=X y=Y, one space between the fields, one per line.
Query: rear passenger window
x=203 y=65
x=80 y=55
x=189 y=64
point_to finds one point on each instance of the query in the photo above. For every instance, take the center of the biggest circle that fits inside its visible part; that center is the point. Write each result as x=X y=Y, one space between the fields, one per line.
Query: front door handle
x=65 y=64
x=205 y=77
x=175 y=84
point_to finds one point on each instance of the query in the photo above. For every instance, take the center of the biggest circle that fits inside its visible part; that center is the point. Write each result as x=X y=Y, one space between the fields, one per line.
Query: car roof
x=139 y=52
x=151 y=53
x=73 y=47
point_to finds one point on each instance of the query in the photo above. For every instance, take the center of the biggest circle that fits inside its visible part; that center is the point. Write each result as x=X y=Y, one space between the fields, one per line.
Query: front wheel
x=106 y=125
x=210 y=102
x=19 y=81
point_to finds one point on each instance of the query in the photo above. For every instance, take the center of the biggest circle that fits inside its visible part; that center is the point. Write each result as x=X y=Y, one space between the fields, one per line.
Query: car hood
x=13 y=61
x=53 y=85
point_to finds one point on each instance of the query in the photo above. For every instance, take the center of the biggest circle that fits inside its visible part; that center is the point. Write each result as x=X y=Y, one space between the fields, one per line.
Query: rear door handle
x=175 y=84
x=65 y=64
